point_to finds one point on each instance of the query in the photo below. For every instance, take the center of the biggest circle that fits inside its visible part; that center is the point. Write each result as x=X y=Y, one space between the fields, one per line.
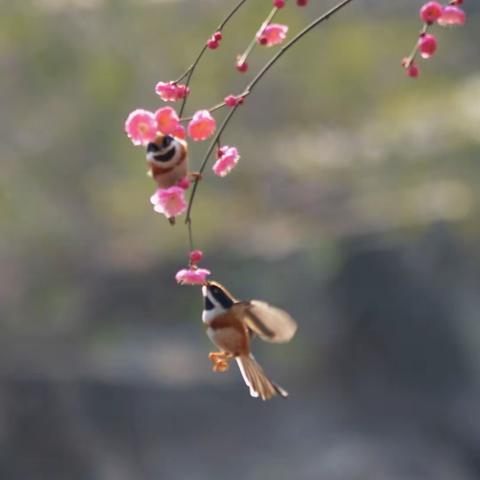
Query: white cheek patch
x=208 y=315
x=211 y=313
x=166 y=157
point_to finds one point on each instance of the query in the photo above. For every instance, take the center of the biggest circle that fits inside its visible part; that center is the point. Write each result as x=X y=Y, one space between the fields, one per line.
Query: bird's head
x=217 y=299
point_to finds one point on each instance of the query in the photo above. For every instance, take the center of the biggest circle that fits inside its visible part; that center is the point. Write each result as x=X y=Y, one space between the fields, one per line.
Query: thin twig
x=190 y=236
x=248 y=90
x=212 y=145
x=218 y=106
x=189 y=74
x=191 y=69
x=292 y=42
x=253 y=43
x=412 y=55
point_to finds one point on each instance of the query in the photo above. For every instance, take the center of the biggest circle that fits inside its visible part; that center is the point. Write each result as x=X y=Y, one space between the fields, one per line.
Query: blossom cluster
x=432 y=13
x=164 y=134
x=144 y=127
x=193 y=275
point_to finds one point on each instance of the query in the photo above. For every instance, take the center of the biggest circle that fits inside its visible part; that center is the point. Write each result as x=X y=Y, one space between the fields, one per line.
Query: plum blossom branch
x=213 y=143
x=216 y=107
x=191 y=69
x=423 y=31
x=430 y=13
x=249 y=88
x=243 y=58
x=162 y=134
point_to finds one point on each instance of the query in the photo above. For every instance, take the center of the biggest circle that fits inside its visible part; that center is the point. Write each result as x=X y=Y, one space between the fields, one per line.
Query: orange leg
x=220 y=361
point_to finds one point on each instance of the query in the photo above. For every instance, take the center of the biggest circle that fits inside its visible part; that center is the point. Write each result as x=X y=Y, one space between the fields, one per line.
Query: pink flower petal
x=452 y=15
x=167 y=120
x=179 y=132
x=201 y=126
x=184 y=183
x=427 y=45
x=182 y=91
x=141 y=127
x=170 y=92
x=192 y=276
x=228 y=157
x=431 y=11
x=412 y=70
x=169 y=201
x=196 y=256
x=272 y=34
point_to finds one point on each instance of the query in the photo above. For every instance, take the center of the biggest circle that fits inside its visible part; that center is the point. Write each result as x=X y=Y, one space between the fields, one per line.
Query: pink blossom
x=410 y=67
x=227 y=157
x=192 y=276
x=201 y=126
x=427 y=45
x=169 y=201
x=179 y=132
x=170 y=92
x=272 y=34
x=430 y=12
x=412 y=70
x=141 y=127
x=212 y=43
x=241 y=65
x=452 y=15
x=232 y=100
x=184 y=183
x=195 y=256
x=278 y=3
x=182 y=91
x=167 y=120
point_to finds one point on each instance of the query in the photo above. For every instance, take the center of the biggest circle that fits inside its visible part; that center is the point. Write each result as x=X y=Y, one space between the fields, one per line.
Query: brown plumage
x=167 y=159
x=231 y=324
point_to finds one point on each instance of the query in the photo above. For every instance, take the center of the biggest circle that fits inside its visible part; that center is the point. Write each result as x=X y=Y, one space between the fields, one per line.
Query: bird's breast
x=228 y=333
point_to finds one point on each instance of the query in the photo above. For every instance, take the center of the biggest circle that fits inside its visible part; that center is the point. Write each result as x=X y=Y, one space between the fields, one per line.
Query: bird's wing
x=269 y=323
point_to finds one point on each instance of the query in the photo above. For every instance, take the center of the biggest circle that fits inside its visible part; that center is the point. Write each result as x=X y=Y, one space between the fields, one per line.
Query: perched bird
x=231 y=324
x=167 y=160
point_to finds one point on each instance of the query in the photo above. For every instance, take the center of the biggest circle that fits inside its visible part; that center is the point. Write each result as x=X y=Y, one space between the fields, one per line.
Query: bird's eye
x=167 y=140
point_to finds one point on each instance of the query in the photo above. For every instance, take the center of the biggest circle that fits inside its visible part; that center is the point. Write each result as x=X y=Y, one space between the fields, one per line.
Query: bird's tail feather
x=256 y=380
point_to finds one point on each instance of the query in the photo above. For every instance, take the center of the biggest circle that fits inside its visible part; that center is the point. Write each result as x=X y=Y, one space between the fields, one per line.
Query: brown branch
x=191 y=69
x=248 y=90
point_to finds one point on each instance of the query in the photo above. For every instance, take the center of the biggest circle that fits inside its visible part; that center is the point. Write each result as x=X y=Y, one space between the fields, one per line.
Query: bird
x=167 y=159
x=231 y=324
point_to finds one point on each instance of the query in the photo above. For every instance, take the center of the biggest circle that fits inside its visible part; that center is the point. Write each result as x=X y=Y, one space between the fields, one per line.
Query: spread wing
x=269 y=323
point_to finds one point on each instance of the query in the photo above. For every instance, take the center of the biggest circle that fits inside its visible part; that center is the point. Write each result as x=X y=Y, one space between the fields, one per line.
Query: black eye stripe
x=152 y=147
x=208 y=304
x=221 y=297
x=167 y=140
x=225 y=301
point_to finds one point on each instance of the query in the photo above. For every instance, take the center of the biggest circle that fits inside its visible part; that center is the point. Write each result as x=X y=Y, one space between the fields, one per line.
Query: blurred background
x=355 y=207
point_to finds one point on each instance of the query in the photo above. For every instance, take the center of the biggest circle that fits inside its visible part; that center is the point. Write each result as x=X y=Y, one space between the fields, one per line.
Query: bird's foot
x=220 y=361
